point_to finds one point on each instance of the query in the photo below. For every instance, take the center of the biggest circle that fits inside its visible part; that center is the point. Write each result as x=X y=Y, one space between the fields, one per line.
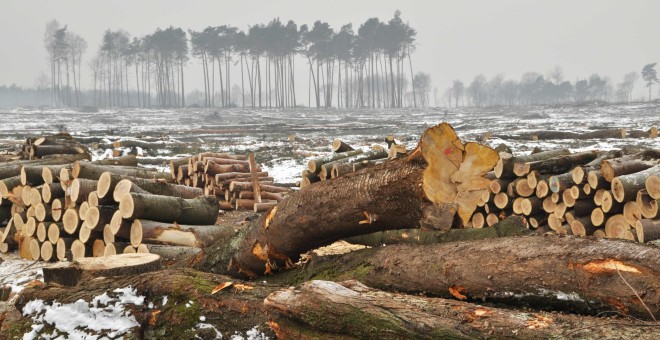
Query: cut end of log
x=122 y=189
x=70 y=221
x=103 y=185
x=136 y=233
x=653 y=186
x=126 y=205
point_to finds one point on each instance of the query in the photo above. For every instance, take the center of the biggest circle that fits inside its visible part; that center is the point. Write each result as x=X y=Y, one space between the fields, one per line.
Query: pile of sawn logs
x=236 y=180
x=63 y=206
x=345 y=159
x=604 y=194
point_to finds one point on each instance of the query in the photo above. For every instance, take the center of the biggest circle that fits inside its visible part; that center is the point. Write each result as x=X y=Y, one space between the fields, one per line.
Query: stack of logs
x=60 y=208
x=591 y=193
x=55 y=145
x=236 y=180
x=345 y=159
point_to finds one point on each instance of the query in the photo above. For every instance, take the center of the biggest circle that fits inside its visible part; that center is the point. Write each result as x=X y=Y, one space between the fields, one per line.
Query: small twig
x=634 y=291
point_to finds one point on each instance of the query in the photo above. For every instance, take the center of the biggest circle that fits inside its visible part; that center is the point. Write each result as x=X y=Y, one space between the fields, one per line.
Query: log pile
x=236 y=180
x=592 y=193
x=344 y=159
x=62 y=208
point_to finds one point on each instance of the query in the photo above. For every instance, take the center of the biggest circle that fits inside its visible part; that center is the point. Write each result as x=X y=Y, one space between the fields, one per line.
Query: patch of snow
x=252 y=334
x=164 y=300
x=105 y=315
x=200 y=325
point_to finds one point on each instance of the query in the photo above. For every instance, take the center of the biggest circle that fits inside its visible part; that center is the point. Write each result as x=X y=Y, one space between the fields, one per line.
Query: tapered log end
x=103 y=185
x=618 y=191
x=23 y=176
x=46 y=251
x=35 y=249
x=136 y=233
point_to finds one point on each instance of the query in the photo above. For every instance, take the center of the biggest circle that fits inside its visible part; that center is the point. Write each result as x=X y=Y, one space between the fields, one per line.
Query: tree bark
x=198 y=211
x=93 y=171
x=625 y=188
x=559 y=273
x=555 y=165
x=69 y=274
x=199 y=236
x=108 y=181
x=352 y=309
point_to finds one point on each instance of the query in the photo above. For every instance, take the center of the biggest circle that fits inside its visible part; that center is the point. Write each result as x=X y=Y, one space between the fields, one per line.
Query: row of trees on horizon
x=536 y=89
x=367 y=68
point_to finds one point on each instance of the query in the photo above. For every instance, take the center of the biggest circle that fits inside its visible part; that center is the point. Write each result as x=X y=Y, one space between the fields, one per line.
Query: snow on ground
x=18 y=273
x=267 y=131
x=105 y=317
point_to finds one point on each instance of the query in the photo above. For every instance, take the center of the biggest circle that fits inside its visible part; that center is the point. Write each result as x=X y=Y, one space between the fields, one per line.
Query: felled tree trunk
x=512 y=226
x=557 y=273
x=441 y=180
x=353 y=309
x=198 y=211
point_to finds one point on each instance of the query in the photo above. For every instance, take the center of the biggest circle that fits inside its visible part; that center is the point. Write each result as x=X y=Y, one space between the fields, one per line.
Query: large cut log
x=625 y=188
x=179 y=234
x=560 y=273
x=202 y=210
x=92 y=171
x=352 y=309
x=108 y=181
x=70 y=273
x=339 y=146
x=445 y=182
x=653 y=186
x=648 y=230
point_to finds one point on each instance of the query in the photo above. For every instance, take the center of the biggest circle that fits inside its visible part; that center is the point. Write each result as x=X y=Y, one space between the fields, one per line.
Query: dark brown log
x=181 y=235
x=31 y=175
x=233 y=175
x=537 y=221
x=43 y=212
x=551 y=134
x=69 y=274
x=358 y=311
x=420 y=190
x=583 y=207
x=555 y=165
x=175 y=164
x=264 y=206
x=648 y=230
x=92 y=171
x=167 y=253
x=531 y=206
x=199 y=211
x=497 y=185
x=625 y=187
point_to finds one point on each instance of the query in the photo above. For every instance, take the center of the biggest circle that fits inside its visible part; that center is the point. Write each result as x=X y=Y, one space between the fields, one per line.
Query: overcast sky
x=456 y=39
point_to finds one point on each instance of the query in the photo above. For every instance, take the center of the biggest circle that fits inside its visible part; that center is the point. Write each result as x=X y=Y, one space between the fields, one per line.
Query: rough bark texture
x=108 y=181
x=184 y=235
x=560 y=273
x=198 y=211
x=93 y=171
x=512 y=226
x=353 y=309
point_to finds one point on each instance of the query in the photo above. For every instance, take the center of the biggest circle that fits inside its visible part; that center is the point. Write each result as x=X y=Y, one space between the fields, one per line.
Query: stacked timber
x=64 y=209
x=57 y=144
x=236 y=180
x=592 y=193
x=345 y=159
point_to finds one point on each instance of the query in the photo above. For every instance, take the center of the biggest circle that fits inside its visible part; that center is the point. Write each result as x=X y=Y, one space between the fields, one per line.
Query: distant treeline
x=368 y=68
x=535 y=89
